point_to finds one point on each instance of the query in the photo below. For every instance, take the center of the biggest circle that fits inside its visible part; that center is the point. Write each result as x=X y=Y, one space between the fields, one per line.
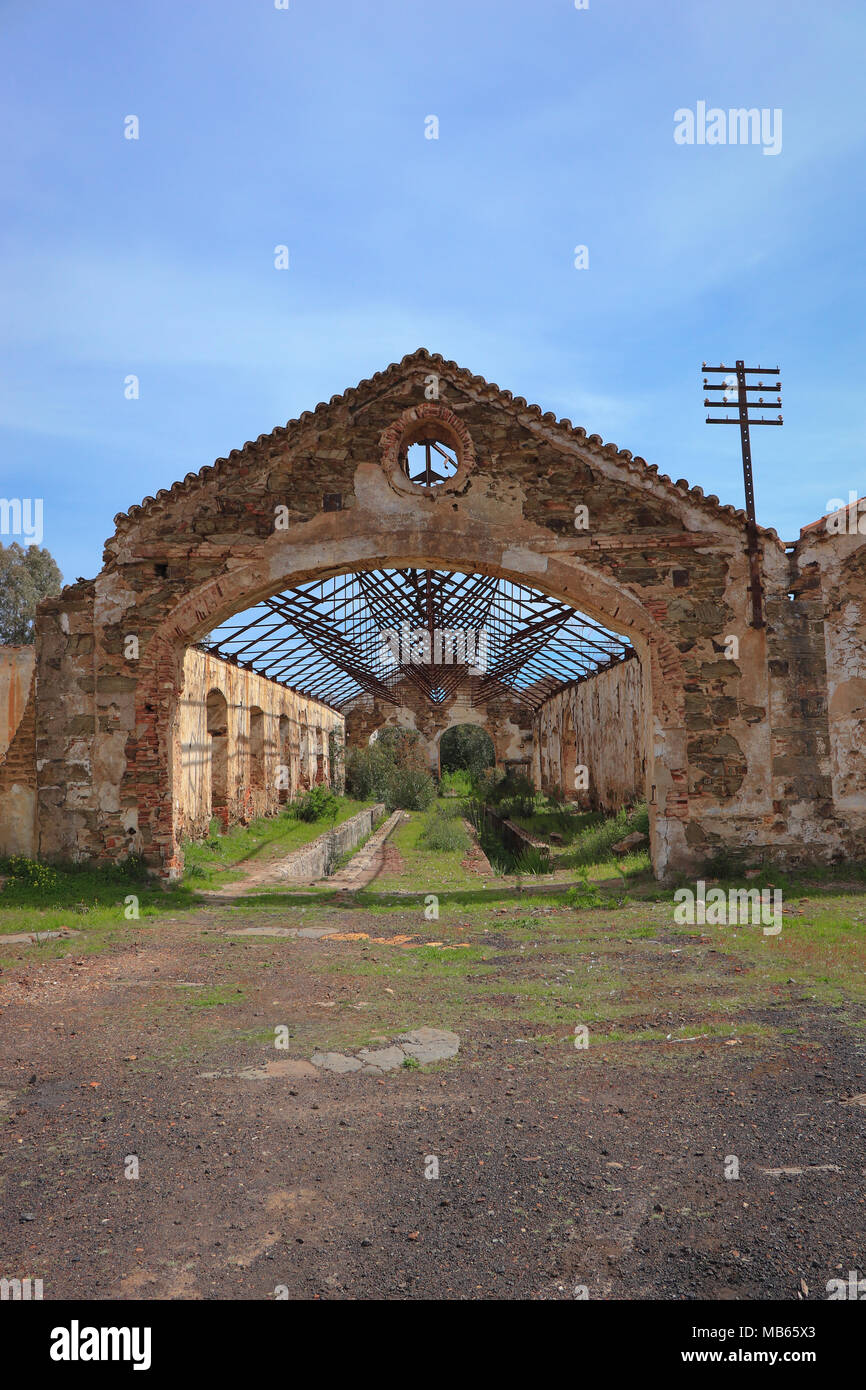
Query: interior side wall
x=17 y=751
x=597 y=724
x=16 y=673
x=829 y=580
x=255 y=785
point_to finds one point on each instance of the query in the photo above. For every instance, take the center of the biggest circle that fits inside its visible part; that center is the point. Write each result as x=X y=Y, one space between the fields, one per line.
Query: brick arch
x=149 y=772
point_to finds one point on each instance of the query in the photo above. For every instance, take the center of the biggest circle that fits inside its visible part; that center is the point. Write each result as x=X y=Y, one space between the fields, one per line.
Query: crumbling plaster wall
x=16 y=674
x=17 y=751
x=303 y=749
x=507 y=720
x=828 y=567
x=599 y=724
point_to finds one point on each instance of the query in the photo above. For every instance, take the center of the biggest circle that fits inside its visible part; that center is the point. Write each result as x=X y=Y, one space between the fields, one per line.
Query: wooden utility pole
x=734 y=383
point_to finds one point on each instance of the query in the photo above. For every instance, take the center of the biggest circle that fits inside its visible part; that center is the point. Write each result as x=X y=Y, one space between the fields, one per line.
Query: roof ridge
x=634 y=463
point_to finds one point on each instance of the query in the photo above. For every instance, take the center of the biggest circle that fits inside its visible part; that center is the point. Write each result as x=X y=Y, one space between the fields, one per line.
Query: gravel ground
x=558 y=1169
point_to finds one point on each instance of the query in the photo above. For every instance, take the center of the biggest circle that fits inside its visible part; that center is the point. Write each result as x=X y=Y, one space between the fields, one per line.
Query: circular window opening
x=430 y=462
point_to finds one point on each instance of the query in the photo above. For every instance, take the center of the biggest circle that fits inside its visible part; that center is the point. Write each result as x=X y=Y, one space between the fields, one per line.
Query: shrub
x=409 y=789
x=443 y=831
x=30 y=872
x=466 y=747
x=592 y=844
x=512 y=795
x=367 y=771
x=318 y=803
x=532 y=860
x=392 y=769
x=584 y=894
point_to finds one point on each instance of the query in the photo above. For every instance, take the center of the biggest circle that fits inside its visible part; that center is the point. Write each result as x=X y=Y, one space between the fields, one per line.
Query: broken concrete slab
x=294 y=1067
x=336 y=1061
x=30 y=938
x=430 y=1044
x=383 y=1058
x=421 y=1045
x=798 y=1172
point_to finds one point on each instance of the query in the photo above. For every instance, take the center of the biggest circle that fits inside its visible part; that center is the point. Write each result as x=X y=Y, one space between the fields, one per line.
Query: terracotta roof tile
x=355 y=396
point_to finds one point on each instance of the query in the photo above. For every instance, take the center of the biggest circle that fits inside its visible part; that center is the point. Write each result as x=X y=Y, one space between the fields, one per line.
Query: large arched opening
x=207 y=608
x=217 y=727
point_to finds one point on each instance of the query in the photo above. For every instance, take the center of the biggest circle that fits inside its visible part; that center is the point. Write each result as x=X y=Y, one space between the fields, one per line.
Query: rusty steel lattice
x=333 y=638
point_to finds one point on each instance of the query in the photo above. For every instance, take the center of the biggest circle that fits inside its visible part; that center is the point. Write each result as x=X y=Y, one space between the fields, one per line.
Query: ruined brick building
x=122 y=734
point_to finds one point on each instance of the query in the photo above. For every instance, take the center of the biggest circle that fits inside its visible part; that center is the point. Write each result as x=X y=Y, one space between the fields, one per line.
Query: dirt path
x=476 y=861
x=370 y=859
x=557 y=1167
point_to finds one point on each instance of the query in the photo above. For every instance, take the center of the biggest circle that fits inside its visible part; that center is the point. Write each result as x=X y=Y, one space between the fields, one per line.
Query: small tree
x=392 y=769
x=466 y=746
x=27 y=574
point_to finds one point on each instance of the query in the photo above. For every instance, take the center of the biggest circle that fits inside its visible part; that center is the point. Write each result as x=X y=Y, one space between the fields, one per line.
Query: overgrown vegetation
x=392 y=769
x=28 y=882
x=457 y=783
x=319 y=803
x=432 y=848
x=443 y=829
x=511 y=795
x=593 y=835
x=466 y=748
x=77 y=897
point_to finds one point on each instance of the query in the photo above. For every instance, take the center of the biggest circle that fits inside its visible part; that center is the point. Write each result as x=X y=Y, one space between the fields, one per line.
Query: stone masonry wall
x=829 y=587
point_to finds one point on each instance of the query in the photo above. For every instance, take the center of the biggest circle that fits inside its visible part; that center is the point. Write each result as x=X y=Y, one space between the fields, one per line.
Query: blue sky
x=305 y=127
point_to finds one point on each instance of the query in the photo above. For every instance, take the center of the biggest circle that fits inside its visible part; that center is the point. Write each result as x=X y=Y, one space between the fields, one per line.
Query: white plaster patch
x=524 y=561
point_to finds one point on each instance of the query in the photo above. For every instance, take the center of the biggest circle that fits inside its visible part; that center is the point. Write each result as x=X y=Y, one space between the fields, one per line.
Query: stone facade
x=742 y=750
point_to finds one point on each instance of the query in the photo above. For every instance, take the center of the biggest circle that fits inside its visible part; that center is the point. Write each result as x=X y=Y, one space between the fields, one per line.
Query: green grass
x=220 y=858
x=425 y=870
x=459 y=782
x=94 y=900
x=83 y=898
x=588 y=837
x=443 y=830
x=219 y=996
